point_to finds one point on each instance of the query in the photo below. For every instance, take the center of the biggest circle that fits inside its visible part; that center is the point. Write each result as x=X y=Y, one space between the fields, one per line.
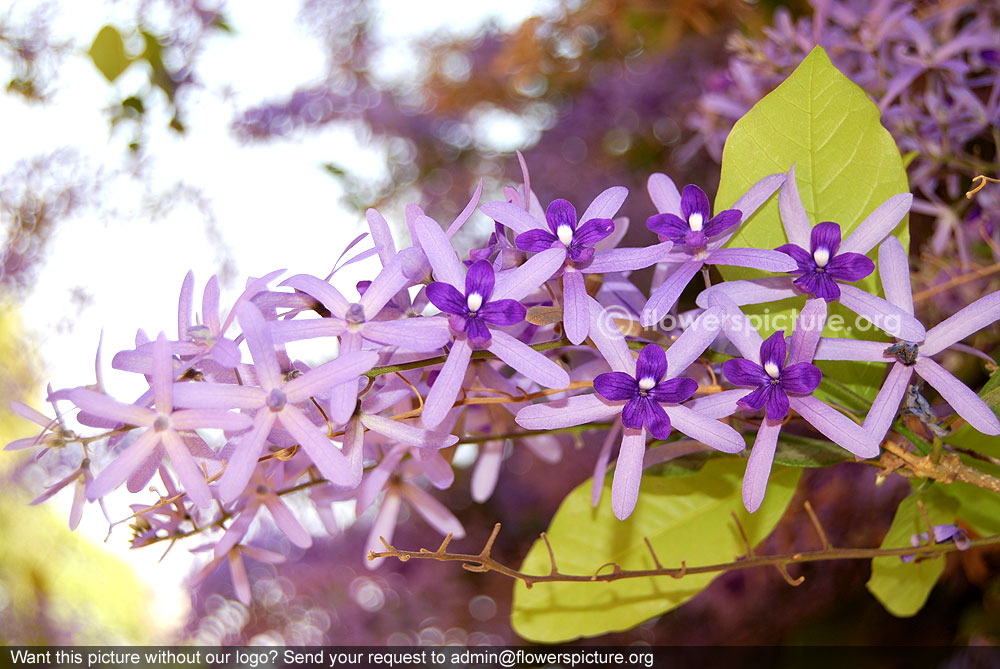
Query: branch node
x=683 y=572
x=444 y=544
x=615 y=570
x=477 y=567
x=794 y=582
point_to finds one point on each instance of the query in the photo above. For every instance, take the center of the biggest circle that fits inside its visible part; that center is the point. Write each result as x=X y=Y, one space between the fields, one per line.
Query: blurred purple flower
x=942 y=534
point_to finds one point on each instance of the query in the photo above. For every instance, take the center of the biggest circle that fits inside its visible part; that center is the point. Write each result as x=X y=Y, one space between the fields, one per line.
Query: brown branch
x=484 y=563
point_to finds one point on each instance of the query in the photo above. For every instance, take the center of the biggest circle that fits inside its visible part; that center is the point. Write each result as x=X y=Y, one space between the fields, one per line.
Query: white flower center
x=696 y=220
x=822 y=257
x=647 y=383
x=474 y=301
x=565 y=234
x=772 y=370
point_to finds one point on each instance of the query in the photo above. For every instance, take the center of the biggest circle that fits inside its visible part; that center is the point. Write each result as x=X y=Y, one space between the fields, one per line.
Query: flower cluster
x=511 y=342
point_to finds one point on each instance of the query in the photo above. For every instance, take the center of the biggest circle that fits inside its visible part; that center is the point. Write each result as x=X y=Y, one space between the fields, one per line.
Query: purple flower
x=763 y=364
x=772 y=379
x=628 y=380
x=821 y=267
x=274 y=400
x=482 y=289
x=646 y=391
x=825 y=249
x=561 y=219
x=914 y=355
x=698 y=237
x=163 y=424
x=585 y=249
x=474 y=311
x=942 y=533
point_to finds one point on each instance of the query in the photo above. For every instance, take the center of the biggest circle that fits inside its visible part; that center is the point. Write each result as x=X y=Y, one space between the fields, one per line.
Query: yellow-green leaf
x=903 y=587
x=108 y=53
x=685 y=518
x=846 y=164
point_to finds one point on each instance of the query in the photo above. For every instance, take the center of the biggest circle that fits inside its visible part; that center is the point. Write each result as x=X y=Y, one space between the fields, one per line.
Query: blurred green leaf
x=846 y=164
x=903 y=587
x=685 y=519
x=108 y=53
x=978 y=508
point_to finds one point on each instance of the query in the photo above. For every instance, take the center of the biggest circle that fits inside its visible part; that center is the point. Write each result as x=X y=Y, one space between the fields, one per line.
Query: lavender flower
x=698 y=237
x=771 y=378
x=661 y=411
x=275 y=400
x=814 y=265
x=821 y=267
x=474 y=311
x=163 y=423
x=646 y=391
x=774 y=383
x=580 y=246
x=914 y=355
x=942 y=534
x=473 y=327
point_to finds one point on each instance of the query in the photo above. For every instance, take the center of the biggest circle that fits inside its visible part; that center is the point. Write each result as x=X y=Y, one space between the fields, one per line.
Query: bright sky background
x=274 y=205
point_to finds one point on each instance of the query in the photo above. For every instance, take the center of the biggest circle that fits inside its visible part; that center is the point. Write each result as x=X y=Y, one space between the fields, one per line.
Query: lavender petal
x=510 y=215
x=666 y=295
x=878 y=224
x=576 y=310
x=962 y=400
x=628 y=473
x=885 y=406
x=836 y=427
x=440 y=253
x=808 y=330
x=759 y=464
x=894 y=269
x=124 y=464
x=793 y=214
x=975 y=317
x=442 y=395
x=626 y=259
x=606 y=204
x=518 y=283
x=750 y=291
x=885 y=316
x=664 y=194
x=694 y=341
x=528 y=361
x=762 y=259
x=566 y=413
x=699 y=427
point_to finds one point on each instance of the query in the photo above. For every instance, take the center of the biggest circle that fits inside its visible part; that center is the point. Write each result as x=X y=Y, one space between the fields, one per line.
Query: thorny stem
x=483 y=562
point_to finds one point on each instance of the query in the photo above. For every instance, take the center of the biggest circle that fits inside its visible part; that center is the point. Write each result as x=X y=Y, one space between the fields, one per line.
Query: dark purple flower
x=696 y=225
x=773 y=380
x=473 y=312
x=644 y=392
x=579 y=241
x=942 y=533
x=821 y=267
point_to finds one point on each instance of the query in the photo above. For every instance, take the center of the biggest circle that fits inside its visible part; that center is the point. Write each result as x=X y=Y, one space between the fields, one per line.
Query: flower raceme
x=505 y=346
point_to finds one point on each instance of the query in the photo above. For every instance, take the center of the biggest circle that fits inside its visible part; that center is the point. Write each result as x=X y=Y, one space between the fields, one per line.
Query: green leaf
x=796 y=451
x=685 y=519
x=846 y=164
x=978 y=508
x=108 y=53
x=991 y=393
x=903 y=587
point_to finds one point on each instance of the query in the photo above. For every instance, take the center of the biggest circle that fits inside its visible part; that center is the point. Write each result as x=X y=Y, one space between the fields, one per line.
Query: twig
x=484 y=563
x=819 y=528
